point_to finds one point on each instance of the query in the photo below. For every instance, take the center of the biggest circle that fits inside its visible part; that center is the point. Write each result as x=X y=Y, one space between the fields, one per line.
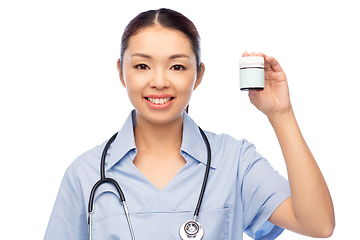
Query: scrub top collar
x=192 y=142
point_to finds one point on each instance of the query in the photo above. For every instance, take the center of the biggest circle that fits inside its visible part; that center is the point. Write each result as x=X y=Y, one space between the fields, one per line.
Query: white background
x=60 y=94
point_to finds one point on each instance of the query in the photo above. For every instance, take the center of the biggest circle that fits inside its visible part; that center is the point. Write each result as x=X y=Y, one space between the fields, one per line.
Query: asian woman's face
x=160 y=73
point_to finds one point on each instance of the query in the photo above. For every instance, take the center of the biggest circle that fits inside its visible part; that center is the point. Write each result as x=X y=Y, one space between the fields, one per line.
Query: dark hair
x=166 y=18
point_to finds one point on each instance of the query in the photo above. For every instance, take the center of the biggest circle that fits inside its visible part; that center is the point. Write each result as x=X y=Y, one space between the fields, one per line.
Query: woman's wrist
x=281 y=120
x=279 y=116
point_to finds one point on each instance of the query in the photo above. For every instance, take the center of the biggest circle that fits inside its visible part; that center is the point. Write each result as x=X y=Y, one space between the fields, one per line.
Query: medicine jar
x=252 y=74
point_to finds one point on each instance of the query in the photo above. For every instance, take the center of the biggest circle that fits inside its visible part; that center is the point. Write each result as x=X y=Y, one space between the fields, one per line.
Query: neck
x=153 y=137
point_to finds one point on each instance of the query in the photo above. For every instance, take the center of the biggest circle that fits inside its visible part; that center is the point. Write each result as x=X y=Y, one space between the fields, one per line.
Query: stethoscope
x=189 y=230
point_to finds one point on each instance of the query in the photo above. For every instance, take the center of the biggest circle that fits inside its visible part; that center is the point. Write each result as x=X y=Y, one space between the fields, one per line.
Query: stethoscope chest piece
x=191 y=230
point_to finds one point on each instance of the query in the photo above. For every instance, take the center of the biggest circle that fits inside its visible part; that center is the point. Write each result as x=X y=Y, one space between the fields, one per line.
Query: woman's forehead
x=160 y=41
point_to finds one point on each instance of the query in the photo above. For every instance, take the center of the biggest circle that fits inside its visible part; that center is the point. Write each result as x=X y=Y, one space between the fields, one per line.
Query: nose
x=159 y=80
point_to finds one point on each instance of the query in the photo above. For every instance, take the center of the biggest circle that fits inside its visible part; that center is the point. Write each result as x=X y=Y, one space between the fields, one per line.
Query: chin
x=159 y=117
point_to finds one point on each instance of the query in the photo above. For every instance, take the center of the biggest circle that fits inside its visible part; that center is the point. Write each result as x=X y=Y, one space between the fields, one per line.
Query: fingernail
x=253 y=92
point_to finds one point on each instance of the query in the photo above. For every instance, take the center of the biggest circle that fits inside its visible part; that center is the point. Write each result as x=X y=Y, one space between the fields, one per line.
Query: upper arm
x=68 y=218
x=284 y=217
x=262 y=190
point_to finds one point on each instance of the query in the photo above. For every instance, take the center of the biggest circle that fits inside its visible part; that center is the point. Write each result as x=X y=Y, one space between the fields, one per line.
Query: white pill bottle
x=252 y=75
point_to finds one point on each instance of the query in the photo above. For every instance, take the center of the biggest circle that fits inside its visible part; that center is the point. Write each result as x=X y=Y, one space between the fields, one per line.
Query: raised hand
x=274 y=99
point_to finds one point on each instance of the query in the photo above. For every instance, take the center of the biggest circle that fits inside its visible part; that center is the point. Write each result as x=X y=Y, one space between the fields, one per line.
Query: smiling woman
x=159 y=63
x=162 y=159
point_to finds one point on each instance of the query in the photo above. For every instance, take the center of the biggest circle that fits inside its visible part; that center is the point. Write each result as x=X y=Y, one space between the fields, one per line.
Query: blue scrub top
x=242 y=192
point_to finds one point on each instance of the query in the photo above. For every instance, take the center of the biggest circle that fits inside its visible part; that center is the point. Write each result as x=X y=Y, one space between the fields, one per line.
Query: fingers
x=270 y=62
x=274 y=64
x=253 y=54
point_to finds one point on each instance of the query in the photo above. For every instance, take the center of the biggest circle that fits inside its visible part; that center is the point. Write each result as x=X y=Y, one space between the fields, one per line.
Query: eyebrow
x=180 y=55
x=140 y=55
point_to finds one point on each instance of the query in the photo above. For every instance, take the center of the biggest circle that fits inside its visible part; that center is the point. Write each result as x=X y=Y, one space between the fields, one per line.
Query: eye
x=142 y=66
x=178 y=67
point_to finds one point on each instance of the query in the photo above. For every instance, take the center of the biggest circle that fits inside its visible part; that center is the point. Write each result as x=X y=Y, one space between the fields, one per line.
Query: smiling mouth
x=159 y=100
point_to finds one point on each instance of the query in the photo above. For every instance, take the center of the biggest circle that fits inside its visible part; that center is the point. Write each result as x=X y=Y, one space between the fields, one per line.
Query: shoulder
x=86 y=164
x=225 y=147
x=227 y=142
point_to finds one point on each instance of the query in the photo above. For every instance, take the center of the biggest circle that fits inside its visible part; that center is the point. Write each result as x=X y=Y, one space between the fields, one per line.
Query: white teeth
x=159 y=100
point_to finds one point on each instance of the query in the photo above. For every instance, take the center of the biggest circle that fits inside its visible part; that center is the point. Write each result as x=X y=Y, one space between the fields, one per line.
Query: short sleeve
x=68 y=218
x=262 y=190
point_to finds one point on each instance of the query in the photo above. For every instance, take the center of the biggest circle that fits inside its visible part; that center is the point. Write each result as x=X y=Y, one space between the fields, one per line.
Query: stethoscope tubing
x=103 y=179
x=103 y=156
x=206 y=176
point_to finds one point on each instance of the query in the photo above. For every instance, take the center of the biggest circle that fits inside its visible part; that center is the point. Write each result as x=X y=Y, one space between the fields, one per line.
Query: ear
x=121 y=73
x=200 y=75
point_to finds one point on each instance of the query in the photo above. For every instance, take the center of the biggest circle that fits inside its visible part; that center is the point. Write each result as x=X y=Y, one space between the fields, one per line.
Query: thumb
x=254 y=96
